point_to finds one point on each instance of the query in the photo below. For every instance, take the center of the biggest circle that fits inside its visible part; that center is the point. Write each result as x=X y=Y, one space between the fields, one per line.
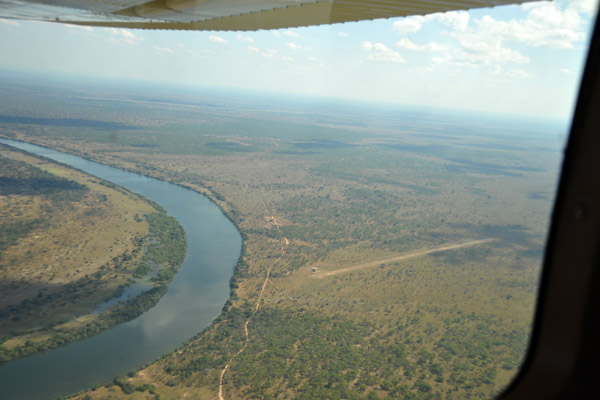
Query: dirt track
x=406 y=256
x=370 y=264
x=286 y=243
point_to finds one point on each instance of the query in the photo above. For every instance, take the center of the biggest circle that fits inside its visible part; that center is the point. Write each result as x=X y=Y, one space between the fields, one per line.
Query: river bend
x=195 y=296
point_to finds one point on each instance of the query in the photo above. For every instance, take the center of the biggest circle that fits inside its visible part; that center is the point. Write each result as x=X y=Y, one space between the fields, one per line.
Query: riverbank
x=87 y=241
x=194 y=298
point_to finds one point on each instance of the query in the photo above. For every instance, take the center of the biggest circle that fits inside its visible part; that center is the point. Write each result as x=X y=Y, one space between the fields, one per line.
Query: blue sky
x=514 y=59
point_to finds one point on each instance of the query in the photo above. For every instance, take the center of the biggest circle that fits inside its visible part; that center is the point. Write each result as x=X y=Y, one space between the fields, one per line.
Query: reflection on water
x=195 y=296
x=130 y=291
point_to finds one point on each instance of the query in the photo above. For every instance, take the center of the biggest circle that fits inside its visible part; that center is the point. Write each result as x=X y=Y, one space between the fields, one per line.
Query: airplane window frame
x=561 y=361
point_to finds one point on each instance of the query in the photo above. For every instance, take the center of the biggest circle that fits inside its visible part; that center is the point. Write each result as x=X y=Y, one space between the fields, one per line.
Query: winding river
x=195 y=296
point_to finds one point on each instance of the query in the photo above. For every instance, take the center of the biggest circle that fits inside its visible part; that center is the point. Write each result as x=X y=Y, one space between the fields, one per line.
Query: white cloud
x=366 y=45
x=122 y=36
x=380 y=52
x=127 y=34
x=546 y=25
x=342 y=34
x=483 y=48
x=409 y=24
x=245 y=39
x=270 y=53
x=186 y=49
x=290 y=33
x=9 y=22
x=514 y=73
x=519 y=73
x=287 y=59
x=295 y=46
x=565 y=71
x=88 y=29
x=314 y=59
x=588 y=7
x=481 y=53
x=253 y=49
x=217 y=39
x=457 y=20
x=487 y=41
x=162 y=50
x=406 y=43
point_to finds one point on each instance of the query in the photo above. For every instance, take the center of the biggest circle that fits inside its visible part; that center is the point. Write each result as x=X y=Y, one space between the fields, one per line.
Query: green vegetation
x=168 y=252
x=65 y=295
x=19 y=178
x=350 y=212
x=167 y=246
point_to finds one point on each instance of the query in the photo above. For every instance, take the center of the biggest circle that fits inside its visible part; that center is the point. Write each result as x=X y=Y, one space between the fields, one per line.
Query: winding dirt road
x=284 y=246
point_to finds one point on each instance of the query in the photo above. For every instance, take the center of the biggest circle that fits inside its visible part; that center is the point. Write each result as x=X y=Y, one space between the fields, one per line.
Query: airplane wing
x=226 y=15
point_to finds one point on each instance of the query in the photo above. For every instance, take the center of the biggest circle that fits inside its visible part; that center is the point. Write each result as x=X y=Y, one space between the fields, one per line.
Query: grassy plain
x=347 y=287
x=68 y=242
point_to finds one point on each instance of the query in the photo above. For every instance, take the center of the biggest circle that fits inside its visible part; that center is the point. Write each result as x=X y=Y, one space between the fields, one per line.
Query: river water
x=195 y=296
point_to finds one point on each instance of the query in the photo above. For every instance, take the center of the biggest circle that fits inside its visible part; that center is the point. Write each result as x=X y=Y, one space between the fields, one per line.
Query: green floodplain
x=388 y=252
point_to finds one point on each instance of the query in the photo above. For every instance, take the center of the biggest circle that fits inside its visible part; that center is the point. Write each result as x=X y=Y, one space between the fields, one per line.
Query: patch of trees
x=11 y=232
x=129 y=388
x=300 y=352
x=118 y=314
x=18 y=177
x=168 y=243
x=323 y=356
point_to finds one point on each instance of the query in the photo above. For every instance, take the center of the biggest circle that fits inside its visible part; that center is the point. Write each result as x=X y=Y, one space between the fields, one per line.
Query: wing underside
x=226 y=15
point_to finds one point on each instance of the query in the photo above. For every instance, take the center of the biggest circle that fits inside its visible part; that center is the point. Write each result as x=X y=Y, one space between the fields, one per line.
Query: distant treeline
x=66 y=123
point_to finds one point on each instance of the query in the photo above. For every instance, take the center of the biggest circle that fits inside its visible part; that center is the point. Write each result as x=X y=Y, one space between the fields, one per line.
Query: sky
x=520 y=59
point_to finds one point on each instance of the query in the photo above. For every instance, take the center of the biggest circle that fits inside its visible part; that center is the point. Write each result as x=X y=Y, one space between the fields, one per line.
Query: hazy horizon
x=125 y=86
x=518 y=59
